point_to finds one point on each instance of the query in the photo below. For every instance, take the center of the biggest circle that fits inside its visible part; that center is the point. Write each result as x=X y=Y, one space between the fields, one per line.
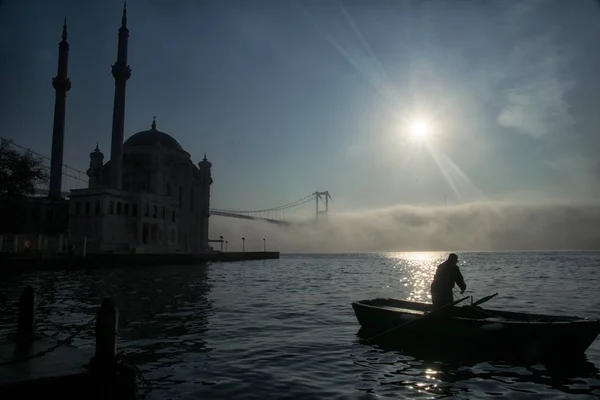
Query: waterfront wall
x=40 y=261
x=57 y=244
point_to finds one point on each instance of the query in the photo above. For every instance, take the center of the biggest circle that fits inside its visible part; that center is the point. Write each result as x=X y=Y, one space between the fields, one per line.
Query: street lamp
x=264 y=245
x=226 y=246
x=243 y=244
x=221 y=237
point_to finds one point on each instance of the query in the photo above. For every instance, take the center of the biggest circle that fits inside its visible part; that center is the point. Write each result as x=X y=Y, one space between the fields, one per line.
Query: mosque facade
x=149 y=197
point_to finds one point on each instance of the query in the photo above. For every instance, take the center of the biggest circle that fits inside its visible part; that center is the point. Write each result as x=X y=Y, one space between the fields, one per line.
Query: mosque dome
x=152 y=137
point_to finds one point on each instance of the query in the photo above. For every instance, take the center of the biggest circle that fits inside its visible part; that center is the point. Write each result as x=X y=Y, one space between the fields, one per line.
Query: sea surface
x=285 y=329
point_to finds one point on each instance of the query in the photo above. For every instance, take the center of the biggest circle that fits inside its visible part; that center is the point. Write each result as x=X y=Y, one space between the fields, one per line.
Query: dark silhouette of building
x=149 y=197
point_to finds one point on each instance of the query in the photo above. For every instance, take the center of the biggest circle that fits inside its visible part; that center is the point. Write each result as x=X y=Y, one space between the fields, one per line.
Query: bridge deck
x=249 y=217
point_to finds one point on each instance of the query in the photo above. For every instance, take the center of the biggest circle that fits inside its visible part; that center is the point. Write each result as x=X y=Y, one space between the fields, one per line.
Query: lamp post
x=243 y=244
x=264 y=245
x=226 y=246
x=221 y=237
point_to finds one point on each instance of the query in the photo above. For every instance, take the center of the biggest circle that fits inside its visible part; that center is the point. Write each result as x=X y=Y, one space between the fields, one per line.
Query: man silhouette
x=446 y=275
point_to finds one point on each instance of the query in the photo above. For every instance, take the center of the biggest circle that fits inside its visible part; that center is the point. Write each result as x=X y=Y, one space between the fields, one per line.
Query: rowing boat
x=392 y=319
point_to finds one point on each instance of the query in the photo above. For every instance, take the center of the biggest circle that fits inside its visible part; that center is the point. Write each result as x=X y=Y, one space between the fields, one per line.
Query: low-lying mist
x=472 y=227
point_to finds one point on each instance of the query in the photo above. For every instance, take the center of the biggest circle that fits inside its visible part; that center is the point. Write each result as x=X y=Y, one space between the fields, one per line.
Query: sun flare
x=419 y=130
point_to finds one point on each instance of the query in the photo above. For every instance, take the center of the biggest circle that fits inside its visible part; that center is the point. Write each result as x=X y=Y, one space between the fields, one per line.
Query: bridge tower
x=323 y=197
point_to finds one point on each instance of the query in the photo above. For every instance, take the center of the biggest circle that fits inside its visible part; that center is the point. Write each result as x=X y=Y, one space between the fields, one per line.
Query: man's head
x=453 y=258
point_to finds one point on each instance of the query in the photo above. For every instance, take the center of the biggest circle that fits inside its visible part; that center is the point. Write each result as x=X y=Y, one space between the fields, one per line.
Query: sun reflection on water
x=416 y=271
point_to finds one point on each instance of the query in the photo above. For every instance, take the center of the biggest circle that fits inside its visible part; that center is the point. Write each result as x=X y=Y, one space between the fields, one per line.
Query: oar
x=417 y=319
x=483 y=300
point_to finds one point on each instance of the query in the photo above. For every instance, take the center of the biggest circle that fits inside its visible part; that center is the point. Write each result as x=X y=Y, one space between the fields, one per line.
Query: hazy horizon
x=473 y=227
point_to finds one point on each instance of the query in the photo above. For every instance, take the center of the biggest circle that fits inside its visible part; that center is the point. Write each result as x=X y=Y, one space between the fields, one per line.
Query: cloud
x=472 y=227
x=534 y=103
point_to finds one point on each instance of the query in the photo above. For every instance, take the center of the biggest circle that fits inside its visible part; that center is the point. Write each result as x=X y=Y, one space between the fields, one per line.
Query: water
x=282 y=329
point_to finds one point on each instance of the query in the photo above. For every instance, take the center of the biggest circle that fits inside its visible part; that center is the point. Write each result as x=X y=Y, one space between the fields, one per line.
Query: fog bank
x=472 y=227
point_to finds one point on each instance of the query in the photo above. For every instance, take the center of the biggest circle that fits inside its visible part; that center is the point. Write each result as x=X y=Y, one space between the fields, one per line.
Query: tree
x=20 y=173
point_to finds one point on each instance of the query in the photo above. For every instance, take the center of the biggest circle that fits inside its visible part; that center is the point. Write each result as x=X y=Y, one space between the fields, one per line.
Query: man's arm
x=460 y=281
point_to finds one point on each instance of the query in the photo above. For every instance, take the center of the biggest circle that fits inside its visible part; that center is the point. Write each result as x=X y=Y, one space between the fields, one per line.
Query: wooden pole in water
x=107 y=320
x=116 y=380
x=26 y=324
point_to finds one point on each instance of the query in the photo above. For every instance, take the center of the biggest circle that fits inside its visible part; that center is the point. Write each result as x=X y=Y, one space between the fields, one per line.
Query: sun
x=419 y=130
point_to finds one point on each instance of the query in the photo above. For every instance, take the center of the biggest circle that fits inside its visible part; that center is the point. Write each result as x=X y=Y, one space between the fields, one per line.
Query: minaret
x=206 y=180
x=61 y=84
x=121 y=73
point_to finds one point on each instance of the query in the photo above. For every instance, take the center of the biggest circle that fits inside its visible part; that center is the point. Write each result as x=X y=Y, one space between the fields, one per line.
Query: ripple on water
x=284 y=328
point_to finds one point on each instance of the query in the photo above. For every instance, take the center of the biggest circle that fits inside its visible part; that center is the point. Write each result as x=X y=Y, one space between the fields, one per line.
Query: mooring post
x=115 y=380
x=107 y=320
x=26 y=324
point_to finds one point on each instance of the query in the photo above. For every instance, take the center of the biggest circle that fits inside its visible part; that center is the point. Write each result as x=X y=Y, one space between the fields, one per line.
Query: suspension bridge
x=309 y=208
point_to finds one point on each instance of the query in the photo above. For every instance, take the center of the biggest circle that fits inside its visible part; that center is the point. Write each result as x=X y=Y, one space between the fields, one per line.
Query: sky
x=289 y=97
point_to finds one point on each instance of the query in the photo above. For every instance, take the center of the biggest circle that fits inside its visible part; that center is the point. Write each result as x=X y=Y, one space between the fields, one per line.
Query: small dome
x=96 y=153
x=204 y=164
x=152 y=137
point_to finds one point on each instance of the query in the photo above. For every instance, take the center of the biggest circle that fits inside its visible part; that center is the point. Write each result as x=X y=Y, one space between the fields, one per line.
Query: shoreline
x=24 y=261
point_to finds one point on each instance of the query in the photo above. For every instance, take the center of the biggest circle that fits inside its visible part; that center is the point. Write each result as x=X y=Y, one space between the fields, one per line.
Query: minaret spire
x=124 y=17
x=61 y=84
x=121 y=72
x=64 y=34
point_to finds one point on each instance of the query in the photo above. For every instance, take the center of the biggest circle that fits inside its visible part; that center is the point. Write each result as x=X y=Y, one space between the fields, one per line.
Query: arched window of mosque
x=180 y=196
x=77 y=208
x=173 y=216
x=87 y=208
x=111 y=207
x=163 y=212
x=147 y=211
x=168 y=190
x=191 y=199
x=134 y=210
x=155 y=211
x=126 y=208
x=97 y=208
x=119 y=208
x=160 y=236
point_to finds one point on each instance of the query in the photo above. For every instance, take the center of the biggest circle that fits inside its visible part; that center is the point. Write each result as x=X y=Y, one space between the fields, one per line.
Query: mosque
x=149 y=197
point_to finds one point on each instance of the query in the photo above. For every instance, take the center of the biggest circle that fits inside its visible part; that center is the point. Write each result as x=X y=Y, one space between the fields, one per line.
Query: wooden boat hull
x=476 y=327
